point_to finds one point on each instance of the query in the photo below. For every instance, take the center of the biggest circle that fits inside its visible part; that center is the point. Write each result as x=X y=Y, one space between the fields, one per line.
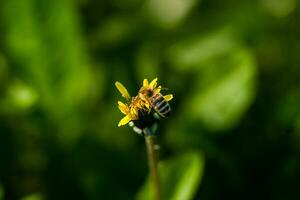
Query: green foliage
x=180 y=177
x=235 y=86
x=233 y=67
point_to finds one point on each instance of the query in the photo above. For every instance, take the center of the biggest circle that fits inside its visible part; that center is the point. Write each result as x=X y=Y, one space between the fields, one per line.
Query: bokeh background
x=233 y=67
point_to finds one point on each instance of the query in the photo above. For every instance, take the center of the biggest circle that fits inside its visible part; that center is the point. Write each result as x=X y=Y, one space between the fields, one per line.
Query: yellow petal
x=168 y=97
x=145 y=82
x=123 y=107
x=134 y=112
x=153 y=83
x=124 y=120
x=122 y=90
x=158 y=89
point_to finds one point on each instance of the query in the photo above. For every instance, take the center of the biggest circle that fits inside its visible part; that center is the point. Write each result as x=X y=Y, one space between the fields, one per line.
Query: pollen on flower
x=139 y=107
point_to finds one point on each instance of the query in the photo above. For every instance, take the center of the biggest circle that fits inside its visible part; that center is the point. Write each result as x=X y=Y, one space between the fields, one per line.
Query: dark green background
x=233 y=67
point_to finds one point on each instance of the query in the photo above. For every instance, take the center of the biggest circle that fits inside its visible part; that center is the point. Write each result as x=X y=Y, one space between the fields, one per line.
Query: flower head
x=151 y=89
x=140 y=105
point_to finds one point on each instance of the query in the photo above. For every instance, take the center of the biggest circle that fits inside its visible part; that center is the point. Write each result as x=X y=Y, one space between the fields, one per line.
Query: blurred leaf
x=169 y=13
x=217 y=99
x=180 y=178
x=222 y=103
x=195 y=51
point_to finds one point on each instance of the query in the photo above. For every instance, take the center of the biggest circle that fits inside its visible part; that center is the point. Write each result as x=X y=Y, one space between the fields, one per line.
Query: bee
x=158 y=102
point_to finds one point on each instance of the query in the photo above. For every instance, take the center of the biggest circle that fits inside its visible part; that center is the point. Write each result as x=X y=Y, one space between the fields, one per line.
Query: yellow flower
x=138 y=104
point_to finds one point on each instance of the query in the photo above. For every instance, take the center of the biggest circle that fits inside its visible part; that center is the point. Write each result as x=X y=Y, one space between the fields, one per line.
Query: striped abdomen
x=160 y=105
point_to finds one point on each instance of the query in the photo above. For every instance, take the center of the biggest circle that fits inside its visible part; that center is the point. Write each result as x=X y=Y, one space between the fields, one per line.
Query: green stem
x=152 y=159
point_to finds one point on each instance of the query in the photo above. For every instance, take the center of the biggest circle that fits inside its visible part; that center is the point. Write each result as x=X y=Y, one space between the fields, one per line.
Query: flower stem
x=152 y=159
